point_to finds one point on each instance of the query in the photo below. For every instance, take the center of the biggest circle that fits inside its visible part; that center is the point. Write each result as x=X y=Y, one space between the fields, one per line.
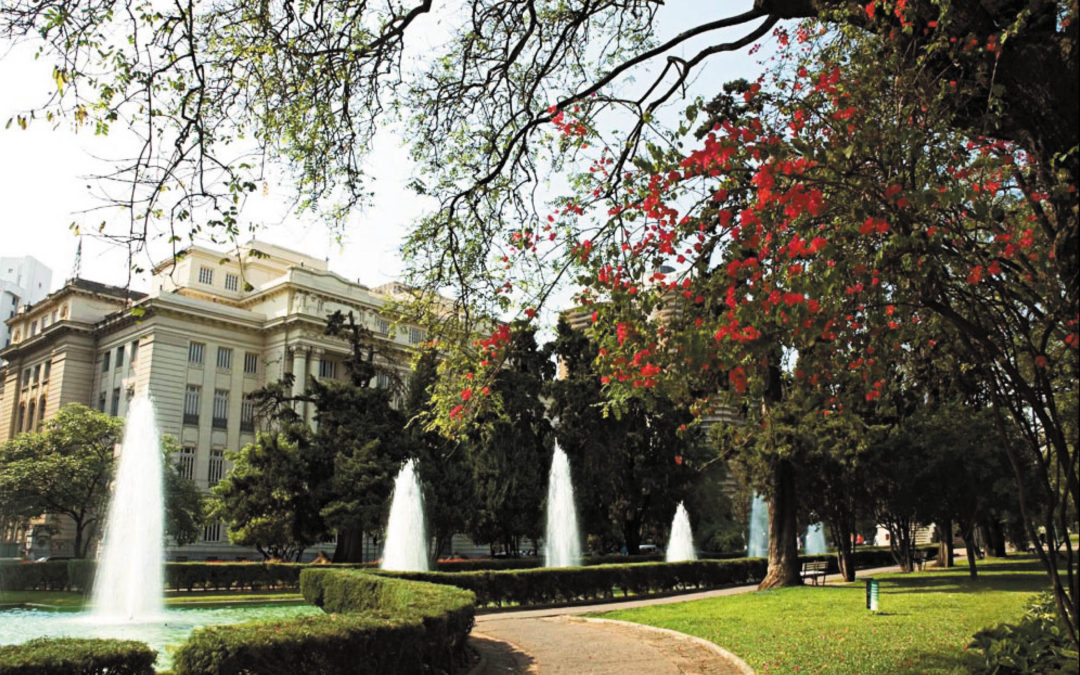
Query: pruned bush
x=376 y=624
x=63 y=656
x=34 y=576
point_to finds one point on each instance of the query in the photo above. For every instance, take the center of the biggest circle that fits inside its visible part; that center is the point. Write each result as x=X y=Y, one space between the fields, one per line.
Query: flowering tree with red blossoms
x=831 y=210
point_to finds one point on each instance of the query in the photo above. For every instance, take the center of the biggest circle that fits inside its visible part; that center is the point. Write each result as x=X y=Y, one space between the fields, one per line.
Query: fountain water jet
x=815 y=540
x=681 y=543
x=129 y=583
x=406 y=538
x=562 y=542
x=758 y=544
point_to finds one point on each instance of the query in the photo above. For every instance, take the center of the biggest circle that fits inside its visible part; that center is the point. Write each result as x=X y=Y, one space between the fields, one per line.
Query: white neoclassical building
x=214 y=327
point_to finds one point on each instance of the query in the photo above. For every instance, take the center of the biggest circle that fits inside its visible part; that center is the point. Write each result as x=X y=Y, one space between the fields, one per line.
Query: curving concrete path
x=556 y=640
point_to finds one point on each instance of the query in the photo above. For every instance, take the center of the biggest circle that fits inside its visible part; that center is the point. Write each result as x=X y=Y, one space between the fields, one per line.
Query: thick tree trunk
x=350 y=546
x=994 y=534
x=783 y=531
x=945 y=544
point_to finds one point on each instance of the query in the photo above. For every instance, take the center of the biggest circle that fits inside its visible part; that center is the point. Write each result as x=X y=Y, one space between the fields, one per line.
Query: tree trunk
x=945 y=544
x=350 y=546
x=841 y=531
x=80 y=548
x=994 y=534
x=783 y=531
x=968 y=534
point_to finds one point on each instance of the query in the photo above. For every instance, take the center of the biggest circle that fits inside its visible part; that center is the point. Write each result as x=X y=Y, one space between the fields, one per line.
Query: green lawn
x=925 y=623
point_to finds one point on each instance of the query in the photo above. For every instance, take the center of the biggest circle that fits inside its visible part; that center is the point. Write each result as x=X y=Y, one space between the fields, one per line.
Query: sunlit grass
x=925 y=622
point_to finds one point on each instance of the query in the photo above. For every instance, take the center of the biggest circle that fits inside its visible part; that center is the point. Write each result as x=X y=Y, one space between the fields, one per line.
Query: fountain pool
x=171 y=628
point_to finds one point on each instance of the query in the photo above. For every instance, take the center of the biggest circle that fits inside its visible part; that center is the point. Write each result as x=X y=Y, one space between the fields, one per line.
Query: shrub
x=388 y=625
x=1039 y=643
x=62 y=656
x=38 y=576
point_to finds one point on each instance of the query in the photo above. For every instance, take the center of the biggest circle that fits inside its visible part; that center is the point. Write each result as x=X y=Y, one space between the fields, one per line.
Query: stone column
x=299 y=370
x=315 y=354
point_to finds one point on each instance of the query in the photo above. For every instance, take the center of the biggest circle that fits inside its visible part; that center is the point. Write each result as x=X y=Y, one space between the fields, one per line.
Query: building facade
x=23 y=281
x=213 y=328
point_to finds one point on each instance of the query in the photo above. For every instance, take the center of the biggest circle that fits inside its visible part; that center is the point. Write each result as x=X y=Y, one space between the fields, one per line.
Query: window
x=217 y=467
x=21 y=417
x=119 y=357
x=185 y=462
x=37 y=373
x=232 y=282
x=30 y=418
x=115 y=408
x=48 y=371
x=247 y=415
x=382 y=326
x=212 y=533
x=251 y=363
x=195 y=352
x=26 y=378
x=191 y=404
x=221 y=408
x=206 y=276
x=33 y=328
x=382 y=381
x=224 y=358
x=417 y=335
x=101 y=402
x=134 y=351
x=105 y=362
x=41 y=411
x=327 y=368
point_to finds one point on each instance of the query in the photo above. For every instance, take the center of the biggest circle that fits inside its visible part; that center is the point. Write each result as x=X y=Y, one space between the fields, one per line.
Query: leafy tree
x=639 y=461
x=358 y=444
x=64 y=469
x=185 y=504
x=511 y=446
x=444 y=463
x=266 y=499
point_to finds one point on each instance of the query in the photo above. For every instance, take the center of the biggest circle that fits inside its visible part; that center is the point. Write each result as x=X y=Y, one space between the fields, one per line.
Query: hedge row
x=377 y=625
x=43 y=576
x=545 y=586
x=193 y=576
x=63 y=656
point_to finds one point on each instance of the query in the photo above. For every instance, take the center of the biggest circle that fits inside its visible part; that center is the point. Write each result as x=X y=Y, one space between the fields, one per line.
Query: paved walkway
x=557 y=640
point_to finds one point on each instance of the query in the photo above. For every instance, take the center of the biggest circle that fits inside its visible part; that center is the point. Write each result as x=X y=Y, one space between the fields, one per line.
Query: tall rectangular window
x=119 y=357
x=191 y=404
x=212 y=532
x=221 y=408
x=382 y=326
x=195 y=352
x=247 y=415
x=417 y=335
x=37 y=373
x=206 y=276
x=327 y=368
x=48 y=371
x=105 y=362
x=101 y=402
x=217 y=467
x=134 y=351
x=224 y=358
x=115 y=408
x=382 y=381
x=251 y=362
x=185 y=462
x=232 y=282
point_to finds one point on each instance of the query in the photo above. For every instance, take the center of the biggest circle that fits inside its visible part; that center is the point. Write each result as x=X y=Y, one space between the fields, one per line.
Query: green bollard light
x=872 y=595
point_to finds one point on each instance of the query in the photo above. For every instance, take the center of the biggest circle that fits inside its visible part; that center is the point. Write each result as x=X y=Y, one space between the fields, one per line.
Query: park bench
x=814 y=570
x=920 y=559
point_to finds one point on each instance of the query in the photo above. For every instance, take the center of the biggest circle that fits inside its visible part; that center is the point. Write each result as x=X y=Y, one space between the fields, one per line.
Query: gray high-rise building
x=23 y=281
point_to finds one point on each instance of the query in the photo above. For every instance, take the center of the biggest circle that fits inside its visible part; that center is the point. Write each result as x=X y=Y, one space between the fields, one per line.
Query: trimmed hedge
x=34 y=576
x=63 y=656
x=546 y=586
x=377 y=625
